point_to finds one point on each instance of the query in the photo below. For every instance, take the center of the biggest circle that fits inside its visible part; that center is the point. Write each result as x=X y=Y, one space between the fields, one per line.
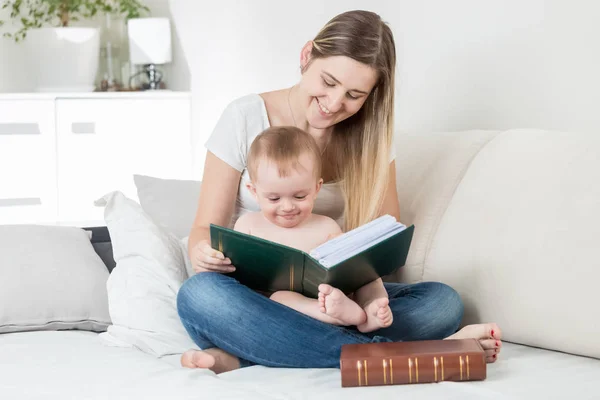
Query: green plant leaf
x=28 y=14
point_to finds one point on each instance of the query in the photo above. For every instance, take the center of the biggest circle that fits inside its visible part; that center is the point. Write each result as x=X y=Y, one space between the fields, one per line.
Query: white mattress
x=76 y=365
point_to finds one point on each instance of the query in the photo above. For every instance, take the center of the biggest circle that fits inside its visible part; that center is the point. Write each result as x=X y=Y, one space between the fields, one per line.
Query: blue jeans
x=218 y=311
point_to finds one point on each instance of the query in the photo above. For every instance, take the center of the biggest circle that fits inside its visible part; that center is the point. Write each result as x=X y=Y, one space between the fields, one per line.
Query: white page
x=363 y=238
x=339 y=242
x=338 y=257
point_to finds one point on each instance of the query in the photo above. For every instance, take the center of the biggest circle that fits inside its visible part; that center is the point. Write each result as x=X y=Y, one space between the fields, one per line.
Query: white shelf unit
x=60 y=152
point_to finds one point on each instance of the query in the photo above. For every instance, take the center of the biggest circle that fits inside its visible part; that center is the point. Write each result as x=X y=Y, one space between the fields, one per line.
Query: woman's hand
x=206 y=259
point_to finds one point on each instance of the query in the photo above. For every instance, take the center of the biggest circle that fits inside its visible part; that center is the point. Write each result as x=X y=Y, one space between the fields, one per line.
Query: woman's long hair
x=360 y=146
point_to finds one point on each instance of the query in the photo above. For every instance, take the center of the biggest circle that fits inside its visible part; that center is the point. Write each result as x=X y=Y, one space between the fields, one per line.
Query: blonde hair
x=360 y=145
x=283 y=145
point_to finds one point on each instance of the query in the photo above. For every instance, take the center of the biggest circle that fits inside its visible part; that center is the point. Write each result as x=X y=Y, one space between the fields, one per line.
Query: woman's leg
x=218 y=311
x=432 y=310
x=422 y=311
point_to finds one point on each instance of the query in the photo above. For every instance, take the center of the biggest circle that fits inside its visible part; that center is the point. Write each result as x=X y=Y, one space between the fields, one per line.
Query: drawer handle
x=24 y=201
x=85 y=128
x=19 y=128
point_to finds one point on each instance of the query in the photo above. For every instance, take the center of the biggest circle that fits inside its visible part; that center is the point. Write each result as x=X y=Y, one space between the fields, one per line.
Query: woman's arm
x=216 y=204
x=390 y=202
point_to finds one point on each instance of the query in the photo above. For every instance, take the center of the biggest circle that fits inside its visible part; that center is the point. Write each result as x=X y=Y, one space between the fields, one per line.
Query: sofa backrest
x=511 y=221
x=429 y=168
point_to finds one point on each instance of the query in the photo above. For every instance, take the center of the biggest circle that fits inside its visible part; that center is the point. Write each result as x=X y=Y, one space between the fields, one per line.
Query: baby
x=284 y=164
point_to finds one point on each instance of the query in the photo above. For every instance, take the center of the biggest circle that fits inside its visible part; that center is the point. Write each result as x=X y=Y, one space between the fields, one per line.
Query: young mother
x=345 y=100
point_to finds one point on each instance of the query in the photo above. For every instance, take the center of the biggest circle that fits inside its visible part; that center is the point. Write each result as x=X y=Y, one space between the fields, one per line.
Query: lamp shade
x=149 y=40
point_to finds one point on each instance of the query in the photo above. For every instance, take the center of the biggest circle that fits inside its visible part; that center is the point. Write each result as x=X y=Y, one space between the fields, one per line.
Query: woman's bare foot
x=216 y=360
x=337 y=305
x=379 y=315
x=489 y=335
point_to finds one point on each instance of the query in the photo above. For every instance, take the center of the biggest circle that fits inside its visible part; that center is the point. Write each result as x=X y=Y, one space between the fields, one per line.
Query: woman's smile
x=324 y=111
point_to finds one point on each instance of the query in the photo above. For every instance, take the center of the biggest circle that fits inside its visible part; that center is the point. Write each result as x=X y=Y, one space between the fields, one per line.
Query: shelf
x=162 y=94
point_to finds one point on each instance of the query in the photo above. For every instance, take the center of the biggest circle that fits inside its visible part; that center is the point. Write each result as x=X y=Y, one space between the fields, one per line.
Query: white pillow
x=171 y=203
x=50 y=279
x=142 y=289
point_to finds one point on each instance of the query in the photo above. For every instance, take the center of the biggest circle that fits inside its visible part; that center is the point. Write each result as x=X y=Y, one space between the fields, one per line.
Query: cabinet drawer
x=101 y=143
x=27 y=161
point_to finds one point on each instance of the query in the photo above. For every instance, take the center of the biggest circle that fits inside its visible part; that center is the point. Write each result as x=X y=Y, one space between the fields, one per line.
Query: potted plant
x=63 y=57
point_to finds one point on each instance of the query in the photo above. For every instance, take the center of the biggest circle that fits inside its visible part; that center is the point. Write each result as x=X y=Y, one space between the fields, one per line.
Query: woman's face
x=335 y=88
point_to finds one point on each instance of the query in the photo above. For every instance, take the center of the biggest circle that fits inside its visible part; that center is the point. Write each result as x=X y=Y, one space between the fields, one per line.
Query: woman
x=345 y=100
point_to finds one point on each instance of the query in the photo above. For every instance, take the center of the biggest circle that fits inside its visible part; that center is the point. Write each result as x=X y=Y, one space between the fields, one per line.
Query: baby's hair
x=283 y=145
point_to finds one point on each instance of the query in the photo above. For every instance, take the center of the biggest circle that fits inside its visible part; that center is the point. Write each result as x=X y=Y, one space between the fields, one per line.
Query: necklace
x=290 y=105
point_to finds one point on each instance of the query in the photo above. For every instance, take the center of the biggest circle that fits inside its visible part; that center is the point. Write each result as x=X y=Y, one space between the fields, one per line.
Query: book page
x=361 y=233
x=341 y=255
x=356 y=241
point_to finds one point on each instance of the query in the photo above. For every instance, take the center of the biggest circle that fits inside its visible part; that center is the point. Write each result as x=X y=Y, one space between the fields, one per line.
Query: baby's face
x=286 y=201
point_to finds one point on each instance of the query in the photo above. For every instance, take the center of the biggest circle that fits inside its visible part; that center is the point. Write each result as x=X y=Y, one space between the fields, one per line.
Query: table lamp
x=149 y=45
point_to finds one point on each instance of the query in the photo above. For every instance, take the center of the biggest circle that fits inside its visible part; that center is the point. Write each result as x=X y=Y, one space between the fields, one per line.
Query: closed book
x=424 y=361
x=267 y=266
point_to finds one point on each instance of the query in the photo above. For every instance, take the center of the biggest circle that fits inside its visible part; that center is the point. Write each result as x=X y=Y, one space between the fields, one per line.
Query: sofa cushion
x=60 y=372
x=171 y=203
x=50 y=279
x=518 y=239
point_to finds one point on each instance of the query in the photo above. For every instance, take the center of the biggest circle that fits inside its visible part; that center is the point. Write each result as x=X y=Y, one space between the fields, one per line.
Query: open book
x=346 y=262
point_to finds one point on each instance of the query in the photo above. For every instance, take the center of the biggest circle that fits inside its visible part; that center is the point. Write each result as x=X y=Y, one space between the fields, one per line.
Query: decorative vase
x=112 y=34
x=63 y=59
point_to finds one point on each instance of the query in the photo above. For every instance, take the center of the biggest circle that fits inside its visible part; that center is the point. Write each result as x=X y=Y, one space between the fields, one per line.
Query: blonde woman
x=345 y=100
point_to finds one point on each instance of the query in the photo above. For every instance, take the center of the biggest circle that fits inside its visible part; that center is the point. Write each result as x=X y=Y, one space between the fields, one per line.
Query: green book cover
x=268 y=266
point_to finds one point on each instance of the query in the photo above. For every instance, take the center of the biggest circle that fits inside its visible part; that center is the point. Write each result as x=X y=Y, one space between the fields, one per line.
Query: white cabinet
x=58 y=155
x=101 y=143
x=27 y=160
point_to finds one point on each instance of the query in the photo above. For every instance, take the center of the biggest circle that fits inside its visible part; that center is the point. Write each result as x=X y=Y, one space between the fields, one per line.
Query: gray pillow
x=51 y=279
x=171 y=203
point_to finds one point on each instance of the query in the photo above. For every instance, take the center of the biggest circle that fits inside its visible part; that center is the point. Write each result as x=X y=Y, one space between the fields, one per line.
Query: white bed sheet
x=76 y=365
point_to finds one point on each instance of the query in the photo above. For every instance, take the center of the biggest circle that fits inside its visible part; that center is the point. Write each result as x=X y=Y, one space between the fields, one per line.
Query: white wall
x=463 y=64
x=498 y=64
x=236 y=47
x=494 y=64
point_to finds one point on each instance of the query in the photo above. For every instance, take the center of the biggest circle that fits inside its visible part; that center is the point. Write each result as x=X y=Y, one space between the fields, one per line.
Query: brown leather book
x=423 y=361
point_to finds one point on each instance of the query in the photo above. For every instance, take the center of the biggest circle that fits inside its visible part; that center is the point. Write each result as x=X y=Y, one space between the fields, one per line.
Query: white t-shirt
x=240 y=123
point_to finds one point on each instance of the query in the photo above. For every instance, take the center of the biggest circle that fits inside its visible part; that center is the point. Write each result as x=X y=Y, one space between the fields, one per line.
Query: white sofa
x=509 y=219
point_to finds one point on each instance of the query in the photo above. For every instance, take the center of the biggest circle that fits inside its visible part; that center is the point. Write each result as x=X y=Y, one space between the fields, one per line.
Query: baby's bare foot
x=337 y=305
x=489 y=336
x=197 y=359
x=379 y=315
x=216 y=360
